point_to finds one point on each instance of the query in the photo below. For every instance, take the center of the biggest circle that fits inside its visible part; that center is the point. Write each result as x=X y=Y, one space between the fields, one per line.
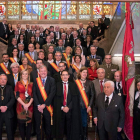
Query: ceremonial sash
x=55 y=66
x=84 y=95
x=12 y=59
x=4 y=68
x=30 y=58
x=67 y=60
x=21 y=67
x=44 y=95
x=74 y=67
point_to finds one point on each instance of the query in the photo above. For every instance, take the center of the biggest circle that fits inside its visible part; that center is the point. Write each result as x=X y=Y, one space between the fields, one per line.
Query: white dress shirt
x=110 y=98
x=137 y=95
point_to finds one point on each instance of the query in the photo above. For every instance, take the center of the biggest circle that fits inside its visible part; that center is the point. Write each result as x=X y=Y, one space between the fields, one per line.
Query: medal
x=26 y=94
x=68 y=40
x=2 y=98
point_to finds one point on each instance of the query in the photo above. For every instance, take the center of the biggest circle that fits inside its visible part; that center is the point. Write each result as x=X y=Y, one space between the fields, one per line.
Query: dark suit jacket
x=50 y=89
x=101 y=52
x=113 y=116
x=8 y=101
x=107 y=21
x=11 y=80
x=41 y=42
x=94 y=32
x=1 y=70
x=3 y=32
x=10 y=39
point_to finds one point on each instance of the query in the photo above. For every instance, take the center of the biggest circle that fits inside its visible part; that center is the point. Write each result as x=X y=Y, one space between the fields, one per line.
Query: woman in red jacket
x=92 y=69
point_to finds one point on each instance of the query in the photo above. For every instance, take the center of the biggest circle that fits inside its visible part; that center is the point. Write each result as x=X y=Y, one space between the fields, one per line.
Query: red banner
x=128 y=73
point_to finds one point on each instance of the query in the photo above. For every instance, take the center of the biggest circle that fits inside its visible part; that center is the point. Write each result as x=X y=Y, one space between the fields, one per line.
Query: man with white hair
x=99 y=82
x=57 y=32
x=80 y=30
x=108 y=113
x=42 y=34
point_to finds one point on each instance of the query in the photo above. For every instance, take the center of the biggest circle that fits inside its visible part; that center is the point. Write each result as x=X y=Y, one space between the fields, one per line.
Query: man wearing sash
x=7 y=100
x=43 y=93
x=5 y=65
x=31 y=55
x=66 y=110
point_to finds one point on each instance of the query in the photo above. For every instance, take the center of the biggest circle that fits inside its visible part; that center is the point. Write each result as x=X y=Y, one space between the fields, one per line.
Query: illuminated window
x=2 y=10
x=71 y=12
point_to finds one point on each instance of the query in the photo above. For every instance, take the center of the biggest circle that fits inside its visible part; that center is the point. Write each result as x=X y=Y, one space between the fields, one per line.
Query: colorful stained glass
x=13 y=11
x=107 y=2
x=2 y=11
x=2 y=2
x=107 y=9
x=84 y=11
x=84 y=2
x=49 y=11
x=71 y=2
x=97 y=2
x=71 y=12
x=60 y=11
x=97 y=9
x=48 y=2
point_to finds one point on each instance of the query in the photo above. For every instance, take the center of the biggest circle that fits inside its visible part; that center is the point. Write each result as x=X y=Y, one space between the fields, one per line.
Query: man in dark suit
x=31 y=33
x=73 y=41
x=3 y=29
x=80 y=30
x=27 y=29
x=83 y=37
x=69 y=36
x=65 y=108
x=40 y=104
x=7 y=100
x=16 y=35
x=13 y=78
x=106 y=20
x=6 y=63
x=57 y=76
x=60 y=47
x=42 y=34
x=65 y=41
x=38 y=39
x=53 y=39
x=100 y=51
x=57 y=32
x=94 y=30
x=109 y=113
x=93 y=51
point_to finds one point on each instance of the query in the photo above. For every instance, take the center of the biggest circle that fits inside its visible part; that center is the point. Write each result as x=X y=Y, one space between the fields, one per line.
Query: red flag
x=128 y=73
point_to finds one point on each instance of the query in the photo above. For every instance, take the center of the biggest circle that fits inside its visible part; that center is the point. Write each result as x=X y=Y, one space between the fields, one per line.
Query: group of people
x=54 y=81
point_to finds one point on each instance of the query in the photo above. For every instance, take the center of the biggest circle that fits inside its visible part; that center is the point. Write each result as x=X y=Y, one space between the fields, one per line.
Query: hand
x=26 y=107
x=119 y=129
x=3 y=108
x=66 y=109
x=88 y=109
x=41 y=107
x=107 y=26
x=6 y=36
x=95 y=121
x=99 y=31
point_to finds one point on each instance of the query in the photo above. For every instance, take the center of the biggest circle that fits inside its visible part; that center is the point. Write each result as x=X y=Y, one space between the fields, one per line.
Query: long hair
x=22 y=73
x=96 y=63
x=82 y=69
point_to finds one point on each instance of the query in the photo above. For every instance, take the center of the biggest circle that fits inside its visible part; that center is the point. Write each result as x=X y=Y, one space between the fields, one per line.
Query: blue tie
x=43 y=81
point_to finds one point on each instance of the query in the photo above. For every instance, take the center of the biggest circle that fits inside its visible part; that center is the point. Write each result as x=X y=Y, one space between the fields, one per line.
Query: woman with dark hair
x=10 y=30
x=32 y=40
x=89 y=30
x=76 y=66
x=92 y=69
x=88 y=42
x=14 y=57
x=136 y=112
x=22 y=40
x=86 y=91
x=62 y=30
x=101 y=27
x=50 y=57
x=24 y=96
x=37 y=47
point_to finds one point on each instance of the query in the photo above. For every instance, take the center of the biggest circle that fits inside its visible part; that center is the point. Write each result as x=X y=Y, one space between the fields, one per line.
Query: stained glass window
x=107 y=10
x=13 y=2
x=60 y=11
x=13 y=11
x=49 y=10
x=2 y=10
x=71 y=11
x=97 y=11
x=84 y=11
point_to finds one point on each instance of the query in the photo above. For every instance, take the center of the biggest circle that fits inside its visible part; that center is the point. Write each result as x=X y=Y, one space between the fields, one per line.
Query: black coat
x=73 y=104
x=3 y=32
x=101 y=52
x=113 y=116
x=8 y=101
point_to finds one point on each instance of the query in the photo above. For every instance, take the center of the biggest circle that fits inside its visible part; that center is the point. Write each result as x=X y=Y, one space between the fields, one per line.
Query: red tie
x=101 y=86
x=65 y=95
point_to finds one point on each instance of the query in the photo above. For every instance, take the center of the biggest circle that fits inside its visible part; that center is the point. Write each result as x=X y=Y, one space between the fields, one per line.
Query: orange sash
x=30 y=58
x=44 y=95
x=21 y=67
x=55 y=66
x=74 y=67
x=67 y=60
x=84 y=96
x=4 y=68
x=12 y=59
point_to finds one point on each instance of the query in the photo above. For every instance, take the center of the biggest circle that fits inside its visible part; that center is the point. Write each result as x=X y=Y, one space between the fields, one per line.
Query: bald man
x=3 y=29
x=108 y=113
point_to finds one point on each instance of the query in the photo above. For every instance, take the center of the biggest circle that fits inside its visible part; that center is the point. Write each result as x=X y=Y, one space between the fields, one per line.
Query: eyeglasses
x=58 y=55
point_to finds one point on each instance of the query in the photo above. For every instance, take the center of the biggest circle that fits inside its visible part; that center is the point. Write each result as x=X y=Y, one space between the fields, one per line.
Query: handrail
x=4 y=40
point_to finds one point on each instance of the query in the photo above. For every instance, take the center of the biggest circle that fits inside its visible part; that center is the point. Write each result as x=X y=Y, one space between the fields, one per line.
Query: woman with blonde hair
x=86 y=91
x=25 y=65
x=24 y=96
x=92 y=70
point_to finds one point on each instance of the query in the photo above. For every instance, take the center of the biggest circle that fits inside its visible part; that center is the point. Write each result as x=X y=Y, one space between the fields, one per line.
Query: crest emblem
x=97 y=9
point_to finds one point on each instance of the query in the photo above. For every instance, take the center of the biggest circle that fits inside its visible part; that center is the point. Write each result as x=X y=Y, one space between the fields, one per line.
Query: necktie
x=43 y=82
x=6 y=65
x=101 y=86
x=119 y=87
x=32 y=55
x=106 y=102
x=20 y=55
x=15 y=78
x=65 y=95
